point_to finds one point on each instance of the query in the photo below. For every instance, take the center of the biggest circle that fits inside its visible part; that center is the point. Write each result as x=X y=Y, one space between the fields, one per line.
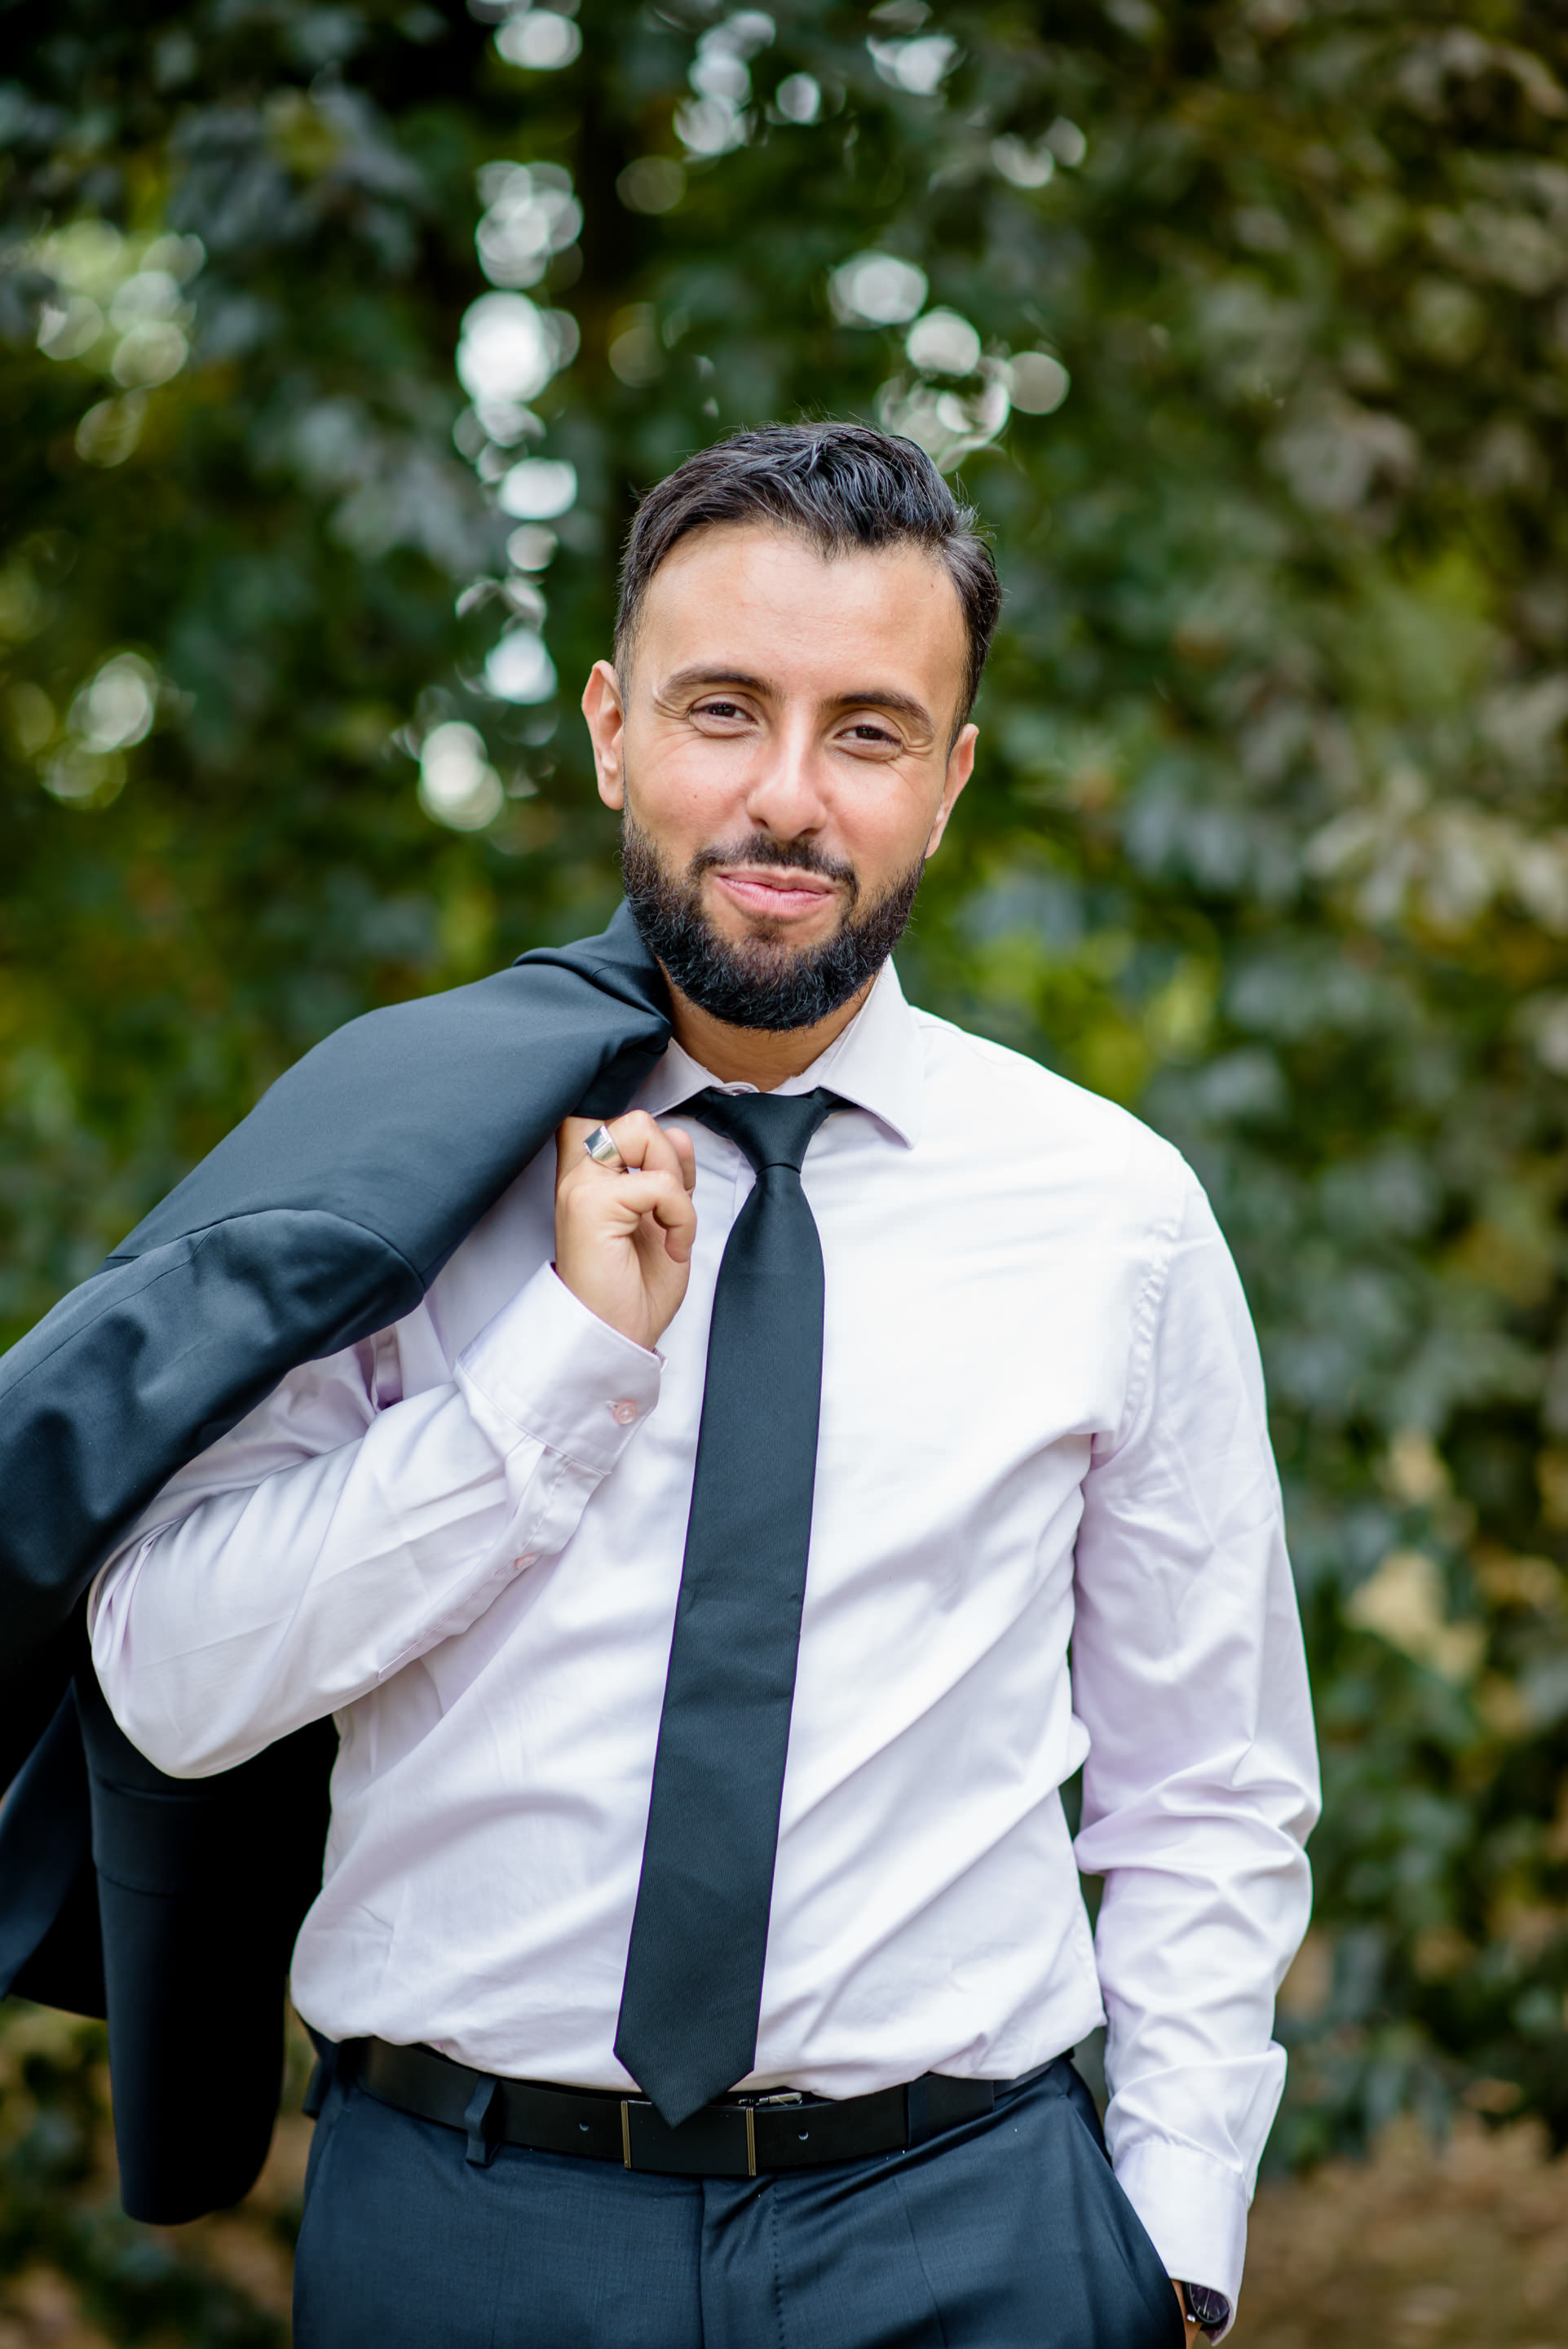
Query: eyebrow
x=875 y=697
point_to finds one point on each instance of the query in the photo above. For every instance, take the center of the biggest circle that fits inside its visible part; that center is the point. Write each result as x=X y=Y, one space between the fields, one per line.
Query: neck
x=763 y=1057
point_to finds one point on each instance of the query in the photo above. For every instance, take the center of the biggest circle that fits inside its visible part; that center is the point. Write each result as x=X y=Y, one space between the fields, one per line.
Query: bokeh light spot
x=150 y=355
x=876 y=289
x=540 y=41
x=457 y=785
x=110 y=429
x=944 y=343
x=1039 y=382
x=506 y=352
x=798 y=97
x=117 y=707
x=919 y=66
x=1025 y=166
x=67 y=329
x=531 y=547
x=519 y=668
x=81 y=778
x=531 y=215
x=538 y=488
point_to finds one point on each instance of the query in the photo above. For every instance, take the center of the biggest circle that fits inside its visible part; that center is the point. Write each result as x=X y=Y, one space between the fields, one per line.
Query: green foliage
x=73 y=2268
x=1267 y=836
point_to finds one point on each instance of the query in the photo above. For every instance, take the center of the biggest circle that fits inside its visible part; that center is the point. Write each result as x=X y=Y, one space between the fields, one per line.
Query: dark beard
x=763 y=983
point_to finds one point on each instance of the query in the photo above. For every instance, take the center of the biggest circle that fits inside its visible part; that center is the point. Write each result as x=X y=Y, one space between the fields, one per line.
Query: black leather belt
x=735 y=2137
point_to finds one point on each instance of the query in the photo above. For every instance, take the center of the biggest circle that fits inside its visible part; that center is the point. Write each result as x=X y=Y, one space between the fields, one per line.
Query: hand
x=1181 y=2292
x=624 y=1239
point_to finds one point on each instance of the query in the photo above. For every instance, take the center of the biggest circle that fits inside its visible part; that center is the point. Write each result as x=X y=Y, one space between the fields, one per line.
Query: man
x=691 y=1576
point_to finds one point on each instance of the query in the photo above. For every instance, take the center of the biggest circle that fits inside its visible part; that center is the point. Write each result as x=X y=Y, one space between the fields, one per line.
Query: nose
x=785 y=795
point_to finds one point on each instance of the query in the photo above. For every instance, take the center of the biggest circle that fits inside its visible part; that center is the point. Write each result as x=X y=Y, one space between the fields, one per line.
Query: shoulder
x=984 y=1099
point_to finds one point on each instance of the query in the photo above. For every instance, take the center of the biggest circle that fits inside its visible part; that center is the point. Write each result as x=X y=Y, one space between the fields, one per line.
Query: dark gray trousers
x=1008 y=2232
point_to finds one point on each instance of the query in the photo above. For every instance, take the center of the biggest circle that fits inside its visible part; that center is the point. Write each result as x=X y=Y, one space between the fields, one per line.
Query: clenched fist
x=624 y=1236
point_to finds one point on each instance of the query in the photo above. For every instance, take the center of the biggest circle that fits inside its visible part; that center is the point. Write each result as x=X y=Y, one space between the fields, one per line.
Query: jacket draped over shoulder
x=172 y=1907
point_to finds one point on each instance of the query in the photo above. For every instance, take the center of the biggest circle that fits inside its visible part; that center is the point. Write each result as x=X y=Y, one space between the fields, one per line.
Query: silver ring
x=601 y=1147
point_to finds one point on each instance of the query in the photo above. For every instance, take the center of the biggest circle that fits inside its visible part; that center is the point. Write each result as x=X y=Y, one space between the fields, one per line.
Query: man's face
x=784 y=752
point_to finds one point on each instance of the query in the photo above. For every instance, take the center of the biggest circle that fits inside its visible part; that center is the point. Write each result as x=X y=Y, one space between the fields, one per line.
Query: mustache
x=760 y=848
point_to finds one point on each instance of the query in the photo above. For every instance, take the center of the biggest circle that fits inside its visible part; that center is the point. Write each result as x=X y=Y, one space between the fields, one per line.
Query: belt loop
x=750 y=2141
x=482 y=2119
x=625 y=2132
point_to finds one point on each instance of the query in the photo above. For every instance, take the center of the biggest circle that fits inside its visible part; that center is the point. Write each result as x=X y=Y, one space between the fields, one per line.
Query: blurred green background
x=335 y=344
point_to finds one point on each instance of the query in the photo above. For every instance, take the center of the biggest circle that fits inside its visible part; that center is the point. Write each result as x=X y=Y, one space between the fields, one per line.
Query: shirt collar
x=877 y=1063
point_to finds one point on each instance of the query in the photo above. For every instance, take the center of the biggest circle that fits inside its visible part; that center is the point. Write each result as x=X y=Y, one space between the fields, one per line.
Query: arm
x=323 y=1216
x=1200 y=1784
x=327 y=1542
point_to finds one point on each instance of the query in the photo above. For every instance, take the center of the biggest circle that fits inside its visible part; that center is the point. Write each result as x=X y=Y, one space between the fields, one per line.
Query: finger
x=627 y=1198
x=680 y=1230
x=638 y=1138
x=684 y=1148
x=669 y=1202
x=675 y=1213
x=642 y=1141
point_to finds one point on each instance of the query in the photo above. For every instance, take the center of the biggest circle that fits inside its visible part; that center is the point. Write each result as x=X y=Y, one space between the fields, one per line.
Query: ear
x=960 y=767
x=606 y=716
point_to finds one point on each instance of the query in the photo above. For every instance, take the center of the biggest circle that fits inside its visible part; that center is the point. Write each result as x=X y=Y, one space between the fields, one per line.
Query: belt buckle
x=640 y=2121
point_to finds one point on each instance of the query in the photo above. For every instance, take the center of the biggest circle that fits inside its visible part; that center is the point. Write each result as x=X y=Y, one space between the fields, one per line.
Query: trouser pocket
x=1153 y=2319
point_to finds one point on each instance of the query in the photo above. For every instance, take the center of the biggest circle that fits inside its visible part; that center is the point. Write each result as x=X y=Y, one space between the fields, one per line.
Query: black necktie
x=692 y=1991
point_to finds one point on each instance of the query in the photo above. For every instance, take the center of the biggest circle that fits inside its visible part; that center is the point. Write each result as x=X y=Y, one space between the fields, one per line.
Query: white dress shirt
x=1042 y=1420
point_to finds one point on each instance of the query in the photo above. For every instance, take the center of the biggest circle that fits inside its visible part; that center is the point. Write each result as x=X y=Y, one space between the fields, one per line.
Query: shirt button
x=528 y=1557
x=623 y=1413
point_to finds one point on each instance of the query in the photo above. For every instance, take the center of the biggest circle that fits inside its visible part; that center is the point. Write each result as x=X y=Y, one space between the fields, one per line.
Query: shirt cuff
x=549 y=1369
x=1193 y=2210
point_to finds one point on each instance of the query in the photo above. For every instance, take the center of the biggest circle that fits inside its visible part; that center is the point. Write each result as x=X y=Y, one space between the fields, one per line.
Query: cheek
x=883 y=832
x=688 y=793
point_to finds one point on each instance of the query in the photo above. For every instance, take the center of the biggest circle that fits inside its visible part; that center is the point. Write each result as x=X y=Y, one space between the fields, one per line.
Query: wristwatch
x=1210 y=2311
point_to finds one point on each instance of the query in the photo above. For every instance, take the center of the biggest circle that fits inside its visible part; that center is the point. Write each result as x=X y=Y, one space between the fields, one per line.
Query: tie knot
x=773 y=1129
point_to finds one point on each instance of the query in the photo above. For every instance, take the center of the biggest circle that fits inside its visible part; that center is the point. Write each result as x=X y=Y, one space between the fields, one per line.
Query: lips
x=777 y=895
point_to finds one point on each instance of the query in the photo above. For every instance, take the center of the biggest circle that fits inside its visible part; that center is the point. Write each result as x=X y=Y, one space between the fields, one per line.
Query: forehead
x=750 y=596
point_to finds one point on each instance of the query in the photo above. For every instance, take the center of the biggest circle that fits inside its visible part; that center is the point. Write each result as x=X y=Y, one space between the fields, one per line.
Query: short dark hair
x=840 y=487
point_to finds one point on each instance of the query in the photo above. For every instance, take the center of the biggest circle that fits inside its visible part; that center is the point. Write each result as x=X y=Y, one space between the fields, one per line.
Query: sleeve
x=324 y=1542
x=1200 y=1782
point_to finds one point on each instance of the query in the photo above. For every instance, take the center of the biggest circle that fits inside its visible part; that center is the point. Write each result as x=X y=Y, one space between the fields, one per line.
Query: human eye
x=870 y=734
x=721 y=707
